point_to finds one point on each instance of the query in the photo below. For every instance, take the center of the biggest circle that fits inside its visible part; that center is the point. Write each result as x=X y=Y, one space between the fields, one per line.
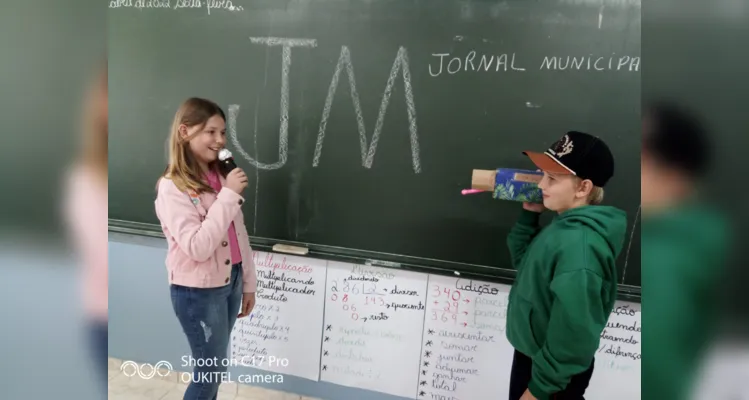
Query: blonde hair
x=94 y=150
x=183 y=168
x=595 y=197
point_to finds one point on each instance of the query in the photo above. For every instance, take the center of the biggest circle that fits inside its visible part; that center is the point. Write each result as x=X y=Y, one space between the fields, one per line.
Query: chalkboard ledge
x=423 y=265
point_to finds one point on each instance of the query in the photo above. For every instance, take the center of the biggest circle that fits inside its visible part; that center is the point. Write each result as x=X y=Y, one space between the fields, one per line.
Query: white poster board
x=616 y=374
x=283 y=332
x=464 y=345
x=374 y=319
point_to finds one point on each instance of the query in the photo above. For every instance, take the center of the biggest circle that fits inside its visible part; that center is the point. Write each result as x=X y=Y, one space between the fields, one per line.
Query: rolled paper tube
x=483 y=179
x=518 y=185
x=508 y=184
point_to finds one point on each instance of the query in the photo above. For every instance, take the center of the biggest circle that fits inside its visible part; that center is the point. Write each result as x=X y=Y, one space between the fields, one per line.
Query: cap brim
x=545 y=163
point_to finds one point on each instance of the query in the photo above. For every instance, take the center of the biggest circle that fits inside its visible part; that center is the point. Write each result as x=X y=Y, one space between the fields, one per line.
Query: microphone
x=226 y=161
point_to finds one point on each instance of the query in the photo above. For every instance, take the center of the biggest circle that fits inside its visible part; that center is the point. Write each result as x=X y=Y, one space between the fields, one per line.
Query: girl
x=565 y=286
x=209 y=261
x=86 y=216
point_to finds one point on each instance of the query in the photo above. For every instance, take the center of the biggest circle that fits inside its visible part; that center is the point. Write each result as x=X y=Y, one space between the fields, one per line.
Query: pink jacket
x=196 y=229
x=85 y=211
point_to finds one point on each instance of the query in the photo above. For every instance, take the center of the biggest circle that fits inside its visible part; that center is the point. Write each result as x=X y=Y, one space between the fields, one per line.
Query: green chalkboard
x=359 y=122
x=49 y=53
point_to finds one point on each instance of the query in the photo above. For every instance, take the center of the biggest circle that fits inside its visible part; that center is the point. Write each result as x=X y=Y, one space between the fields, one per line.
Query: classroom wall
x=45 y=344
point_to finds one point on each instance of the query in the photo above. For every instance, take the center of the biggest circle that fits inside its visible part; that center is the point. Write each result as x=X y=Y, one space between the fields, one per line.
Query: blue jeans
x=207 y=317
x=98 y=332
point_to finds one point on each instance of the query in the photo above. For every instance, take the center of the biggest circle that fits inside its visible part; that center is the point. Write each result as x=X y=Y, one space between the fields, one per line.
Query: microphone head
x=224 y=154
x=226 y=161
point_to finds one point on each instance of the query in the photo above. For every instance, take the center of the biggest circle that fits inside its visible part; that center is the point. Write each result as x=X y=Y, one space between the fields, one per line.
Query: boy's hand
x=527 y=395
x=539 y=208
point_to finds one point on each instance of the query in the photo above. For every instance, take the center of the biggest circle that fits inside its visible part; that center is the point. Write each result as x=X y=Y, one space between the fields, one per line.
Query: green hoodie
x=564 y=290
x=683 y=260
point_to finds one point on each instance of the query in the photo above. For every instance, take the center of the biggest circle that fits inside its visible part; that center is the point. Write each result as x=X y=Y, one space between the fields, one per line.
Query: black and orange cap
x=577 y=153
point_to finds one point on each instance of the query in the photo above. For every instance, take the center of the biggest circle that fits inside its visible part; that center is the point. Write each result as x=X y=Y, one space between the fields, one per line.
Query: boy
x=565 y=286
x=684 y=244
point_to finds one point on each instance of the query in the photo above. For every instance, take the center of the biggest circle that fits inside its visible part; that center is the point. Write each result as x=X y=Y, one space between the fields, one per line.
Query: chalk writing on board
x=284 y=284
x=368 y=152
x=598 y=3
x=283 y=134
x=486 y=62
x=447 y=64
x=629 y=245
x=592 y=63
x=462 y=339
x=208 y=5
x=140 y=4
x=368 y=309
x=368 y=148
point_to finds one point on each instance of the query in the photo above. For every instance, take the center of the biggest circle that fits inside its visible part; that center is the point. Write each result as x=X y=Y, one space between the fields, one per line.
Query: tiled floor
x=170 y=387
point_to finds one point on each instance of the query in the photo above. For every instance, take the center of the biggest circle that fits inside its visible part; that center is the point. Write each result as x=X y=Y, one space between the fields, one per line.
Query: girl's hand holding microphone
x=236 y=180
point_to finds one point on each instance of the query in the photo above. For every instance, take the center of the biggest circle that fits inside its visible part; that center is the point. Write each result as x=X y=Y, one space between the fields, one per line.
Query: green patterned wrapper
x=518 y=185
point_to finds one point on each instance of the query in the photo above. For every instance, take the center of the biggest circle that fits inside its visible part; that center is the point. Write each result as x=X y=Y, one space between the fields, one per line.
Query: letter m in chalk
x=368 y=150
